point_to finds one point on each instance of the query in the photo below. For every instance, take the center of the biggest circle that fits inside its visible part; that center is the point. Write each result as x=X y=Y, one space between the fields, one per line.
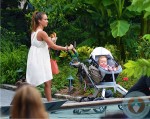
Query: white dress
x=38 y=64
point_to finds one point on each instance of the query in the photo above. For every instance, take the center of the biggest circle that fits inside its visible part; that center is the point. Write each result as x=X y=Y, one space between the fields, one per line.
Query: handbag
x=54 y=66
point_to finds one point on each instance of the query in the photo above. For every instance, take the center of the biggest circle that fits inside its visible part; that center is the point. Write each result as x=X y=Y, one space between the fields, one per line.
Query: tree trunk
x=120 y=45
x=144 y=25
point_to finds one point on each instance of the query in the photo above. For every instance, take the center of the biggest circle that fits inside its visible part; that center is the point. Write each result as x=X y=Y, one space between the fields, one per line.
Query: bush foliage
x=13 y=65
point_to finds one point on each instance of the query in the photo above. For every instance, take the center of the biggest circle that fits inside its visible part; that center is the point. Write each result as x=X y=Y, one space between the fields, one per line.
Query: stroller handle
x=94 y=62
x=75 y=54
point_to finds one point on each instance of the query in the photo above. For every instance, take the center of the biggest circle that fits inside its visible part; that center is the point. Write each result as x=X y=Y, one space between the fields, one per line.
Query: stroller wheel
x=74 y=111
x=120 y=107
x=86 y=110
x=100 y=109
x=85 y=99
x=77 y=111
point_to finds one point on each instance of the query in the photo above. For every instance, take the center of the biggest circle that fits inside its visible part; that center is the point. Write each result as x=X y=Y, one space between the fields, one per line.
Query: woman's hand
x=70 y=47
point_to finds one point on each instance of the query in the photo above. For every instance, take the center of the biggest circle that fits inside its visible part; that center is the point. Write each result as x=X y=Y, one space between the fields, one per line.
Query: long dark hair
x=35 y=17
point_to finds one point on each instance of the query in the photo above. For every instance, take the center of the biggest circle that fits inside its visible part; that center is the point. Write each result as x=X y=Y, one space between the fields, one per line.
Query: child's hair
x=52 y=35
x=102 y=57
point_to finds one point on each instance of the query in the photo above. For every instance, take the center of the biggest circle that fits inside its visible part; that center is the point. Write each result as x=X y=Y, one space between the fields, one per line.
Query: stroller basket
x=95 y=74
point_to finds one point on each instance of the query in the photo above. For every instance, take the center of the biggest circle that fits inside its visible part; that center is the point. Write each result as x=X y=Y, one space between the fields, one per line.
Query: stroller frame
x=82 y=68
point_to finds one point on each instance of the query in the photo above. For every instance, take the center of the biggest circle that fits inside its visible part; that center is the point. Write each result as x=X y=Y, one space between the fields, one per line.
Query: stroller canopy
x=100 y=51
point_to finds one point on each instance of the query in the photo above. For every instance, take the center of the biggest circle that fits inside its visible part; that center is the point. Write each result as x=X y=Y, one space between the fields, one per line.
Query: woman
x=38 y=63
x=27 y=103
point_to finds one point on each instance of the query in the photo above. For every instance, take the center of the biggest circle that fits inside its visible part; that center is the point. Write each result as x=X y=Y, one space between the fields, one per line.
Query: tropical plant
x=83 y=53
x=119 y=25
x=137 y=68
x=11 y=38
x=142 y=9
x=108 y=22
x=125 y=82
x=143 y=50
x=13 y=65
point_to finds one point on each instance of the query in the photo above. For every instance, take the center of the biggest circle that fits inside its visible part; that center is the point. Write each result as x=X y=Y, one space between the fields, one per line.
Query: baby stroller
x=98 y=78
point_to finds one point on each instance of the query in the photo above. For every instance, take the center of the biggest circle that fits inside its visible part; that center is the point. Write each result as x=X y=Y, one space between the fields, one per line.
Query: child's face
x=103 y=62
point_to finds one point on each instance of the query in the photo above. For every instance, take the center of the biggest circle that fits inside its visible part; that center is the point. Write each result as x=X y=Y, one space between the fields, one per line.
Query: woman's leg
x=47 y=90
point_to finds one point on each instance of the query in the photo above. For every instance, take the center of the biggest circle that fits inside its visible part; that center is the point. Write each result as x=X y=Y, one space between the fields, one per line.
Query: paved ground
x=6 y=97
x=91 y=114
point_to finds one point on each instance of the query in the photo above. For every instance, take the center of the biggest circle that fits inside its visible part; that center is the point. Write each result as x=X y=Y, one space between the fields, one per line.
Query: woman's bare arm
x=42 y=35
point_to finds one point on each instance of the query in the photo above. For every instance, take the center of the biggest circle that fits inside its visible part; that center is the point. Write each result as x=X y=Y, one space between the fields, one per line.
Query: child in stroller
x=103 y=63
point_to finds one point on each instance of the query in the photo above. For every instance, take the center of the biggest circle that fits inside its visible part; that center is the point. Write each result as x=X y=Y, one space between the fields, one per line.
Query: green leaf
x=107 y=2
x=146 y=5
x=146 y=14
x=137 y=68
x=140 y=5
x=137 y=6
x=119 y=28
x=89 y=2
x=147 y=37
